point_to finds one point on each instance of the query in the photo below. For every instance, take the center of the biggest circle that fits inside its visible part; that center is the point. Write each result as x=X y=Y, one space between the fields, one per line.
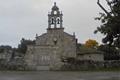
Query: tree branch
x=108 y=2
x=103 y=8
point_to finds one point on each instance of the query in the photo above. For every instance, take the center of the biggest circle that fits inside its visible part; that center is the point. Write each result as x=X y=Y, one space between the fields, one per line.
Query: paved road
x=45 y=75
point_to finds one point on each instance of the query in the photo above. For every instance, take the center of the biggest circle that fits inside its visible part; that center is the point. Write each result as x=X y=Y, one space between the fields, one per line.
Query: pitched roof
x=86 y=50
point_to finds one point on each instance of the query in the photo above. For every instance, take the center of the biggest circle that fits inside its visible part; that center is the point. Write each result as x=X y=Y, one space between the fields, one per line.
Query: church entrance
x=43 y=62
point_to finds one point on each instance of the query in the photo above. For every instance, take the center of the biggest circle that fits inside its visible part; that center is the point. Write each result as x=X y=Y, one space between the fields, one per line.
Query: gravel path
x=47 y=75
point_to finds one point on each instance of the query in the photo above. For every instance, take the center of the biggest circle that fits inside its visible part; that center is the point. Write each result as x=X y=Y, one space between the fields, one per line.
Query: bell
x=58 y=21
x=52 y=21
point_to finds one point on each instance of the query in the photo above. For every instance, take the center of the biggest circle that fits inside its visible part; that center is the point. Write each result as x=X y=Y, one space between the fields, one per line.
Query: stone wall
x=92 y=65
x=91 y=56
x=112 y=64
x=38 y=56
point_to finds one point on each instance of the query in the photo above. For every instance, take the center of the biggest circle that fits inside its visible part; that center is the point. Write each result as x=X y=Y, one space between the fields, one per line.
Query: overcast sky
x=25 y=18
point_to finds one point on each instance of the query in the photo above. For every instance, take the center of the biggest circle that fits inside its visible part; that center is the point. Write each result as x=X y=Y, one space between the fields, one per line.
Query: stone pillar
x=49 y=22
x=55 y=24
x=61 y=21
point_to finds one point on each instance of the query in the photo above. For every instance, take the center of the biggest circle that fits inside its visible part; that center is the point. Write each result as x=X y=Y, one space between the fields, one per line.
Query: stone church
x=51 y=46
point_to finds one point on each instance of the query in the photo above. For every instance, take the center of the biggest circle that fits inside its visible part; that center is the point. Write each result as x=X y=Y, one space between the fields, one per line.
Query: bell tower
x=55 y=18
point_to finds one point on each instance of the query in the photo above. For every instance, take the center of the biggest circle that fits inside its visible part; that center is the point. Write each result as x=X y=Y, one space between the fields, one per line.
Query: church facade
x=51 y=46
x=54 y=45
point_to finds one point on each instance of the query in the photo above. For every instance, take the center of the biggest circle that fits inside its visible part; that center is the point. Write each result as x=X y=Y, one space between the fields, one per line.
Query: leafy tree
x=22 y=47
x=110 y=23
x=5 y=47
x=110 y=52
x=91 y=43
